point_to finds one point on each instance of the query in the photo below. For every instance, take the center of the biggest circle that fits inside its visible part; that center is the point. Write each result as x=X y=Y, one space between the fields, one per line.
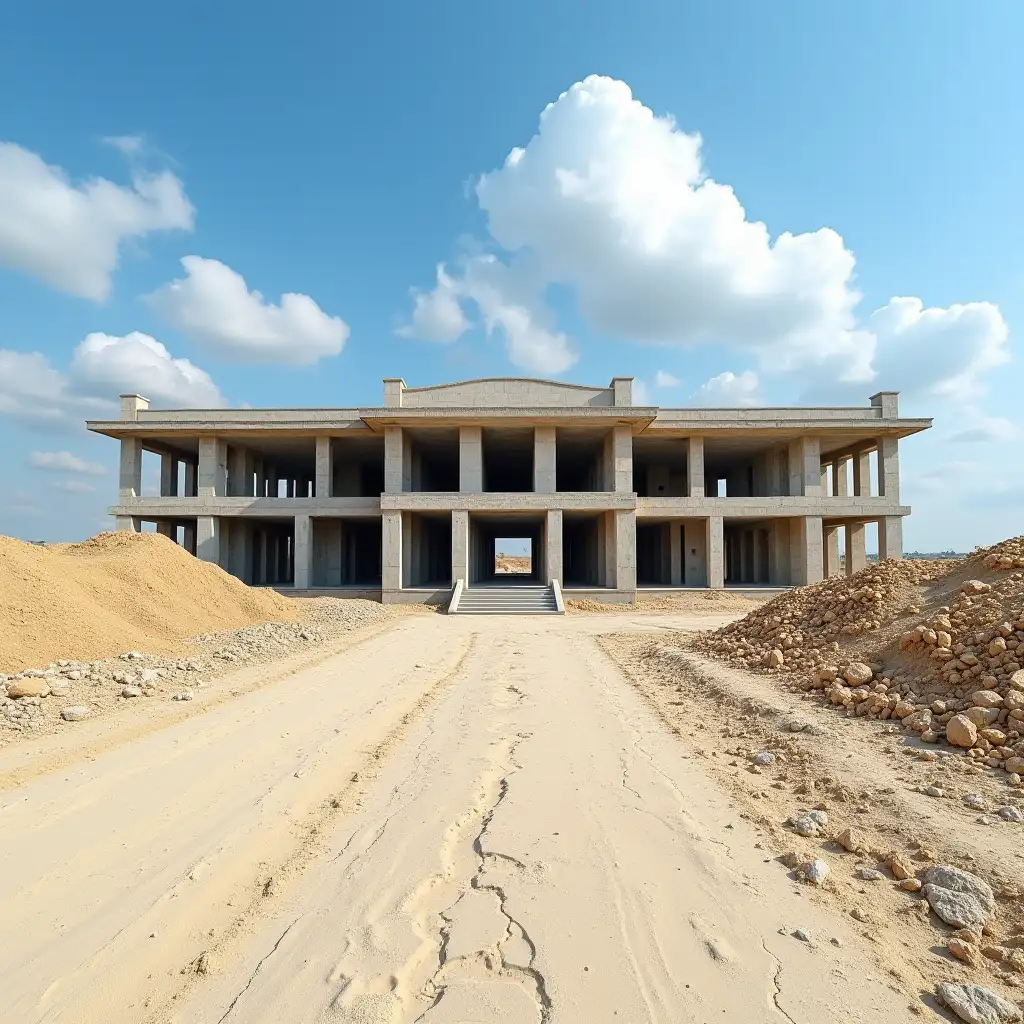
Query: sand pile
x=952 y=672
x=115 y=592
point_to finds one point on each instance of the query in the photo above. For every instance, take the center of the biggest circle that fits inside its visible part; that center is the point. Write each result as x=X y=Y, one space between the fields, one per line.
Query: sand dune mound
x=113 y=593
x=937 y=646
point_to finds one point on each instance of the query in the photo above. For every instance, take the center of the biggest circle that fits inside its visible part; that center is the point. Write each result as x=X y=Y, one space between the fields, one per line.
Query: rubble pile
x=954 y=673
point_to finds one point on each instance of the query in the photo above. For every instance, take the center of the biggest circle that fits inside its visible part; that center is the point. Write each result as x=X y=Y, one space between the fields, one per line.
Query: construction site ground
x=453 y=819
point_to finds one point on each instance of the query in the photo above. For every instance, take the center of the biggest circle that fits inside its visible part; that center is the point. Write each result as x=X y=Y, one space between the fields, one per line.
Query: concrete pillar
x=856 y=552
x=127 y=524
x=804 y=466
x=675 y=554
x=460 y=546
x=716 y=552
x=544 y=456
x=778 y=553
x=324 y=468
x=757 y=548
x=889 y=468
x=840 y=477
x=213 y=467
x=303 y=552
x=862 y=474
x=208 y=538
x=168 y=475
x=831 y=539
x=807 y=557
x=393 y=460
x=130 y=485
x=890 y=537
x=166 y=529
x=625 y=549
x=553 y=546
x=695 y=466
x=391 y=551
x=471 y=460
x=191 y=478
x=622 y=454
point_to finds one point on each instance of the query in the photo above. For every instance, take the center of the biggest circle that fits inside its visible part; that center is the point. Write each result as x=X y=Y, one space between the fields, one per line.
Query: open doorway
x=513 y=557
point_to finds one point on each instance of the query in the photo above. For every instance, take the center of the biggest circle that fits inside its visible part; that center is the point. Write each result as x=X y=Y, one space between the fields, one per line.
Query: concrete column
x=862 y=474
x=324 y=474
x=544 y=456
x=716 y=552
x=213 y=467
x=805 y=466
x=831 y=567
x=695 y=466
x=675 y=554
x=168 y=475
x=130 y=485
x=471 y=460
x=625 y=549
x=391 y=552
x=622 y=441
x=165 y=529
x=127 y=524
x=393 y=460
x=778 y=553
x=553 y=546
x=460 y=546
x=890 y=537
x=856 y=553
x=807 y=557
x=303 y=552
x=208 y=538
x=840 y=477
x=889 y=468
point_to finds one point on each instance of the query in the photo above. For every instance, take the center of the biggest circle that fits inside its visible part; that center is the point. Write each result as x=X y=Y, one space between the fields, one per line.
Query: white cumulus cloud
x=728 y=390
x=664 y=379
x=69 y=235
x=213 y=305
x=37 y=394
x=64 y=462
x=615 y=204
x=437 y=315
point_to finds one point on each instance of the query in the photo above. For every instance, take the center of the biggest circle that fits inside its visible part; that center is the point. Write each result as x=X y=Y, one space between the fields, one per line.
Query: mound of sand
x=113 y=593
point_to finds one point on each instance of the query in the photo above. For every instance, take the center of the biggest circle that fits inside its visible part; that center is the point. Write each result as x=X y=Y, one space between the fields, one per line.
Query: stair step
x=514 y=600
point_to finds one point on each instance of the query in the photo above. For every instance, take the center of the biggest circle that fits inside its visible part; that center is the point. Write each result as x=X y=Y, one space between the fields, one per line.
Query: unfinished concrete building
x=408 y=501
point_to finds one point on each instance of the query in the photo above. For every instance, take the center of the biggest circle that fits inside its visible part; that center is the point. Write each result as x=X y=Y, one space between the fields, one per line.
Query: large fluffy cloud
x=213 y=305
x=35 y=393
x=69 y=235
x=614 y=203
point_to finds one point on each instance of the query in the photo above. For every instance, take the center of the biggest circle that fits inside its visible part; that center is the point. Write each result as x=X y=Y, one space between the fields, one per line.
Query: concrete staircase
x=514 y=600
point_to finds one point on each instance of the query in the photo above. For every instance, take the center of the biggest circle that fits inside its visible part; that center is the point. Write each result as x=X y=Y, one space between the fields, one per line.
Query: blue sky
x=342 y=152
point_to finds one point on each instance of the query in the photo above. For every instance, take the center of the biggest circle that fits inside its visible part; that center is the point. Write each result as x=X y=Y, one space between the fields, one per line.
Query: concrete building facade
x=404 y=500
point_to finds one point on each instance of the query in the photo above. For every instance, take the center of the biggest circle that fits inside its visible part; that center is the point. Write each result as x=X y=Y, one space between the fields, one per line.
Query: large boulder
x=28 y=688
x=961 y=899
x=961 y=732
x=977 y=1005
x=857 y=673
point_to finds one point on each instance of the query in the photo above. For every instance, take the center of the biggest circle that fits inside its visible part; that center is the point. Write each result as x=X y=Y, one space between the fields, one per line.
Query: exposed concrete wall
x=553 y=546
x=544 y=460
x=471 y=460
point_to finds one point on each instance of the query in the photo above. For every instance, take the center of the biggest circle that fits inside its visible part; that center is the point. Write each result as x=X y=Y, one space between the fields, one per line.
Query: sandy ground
x=465 y=819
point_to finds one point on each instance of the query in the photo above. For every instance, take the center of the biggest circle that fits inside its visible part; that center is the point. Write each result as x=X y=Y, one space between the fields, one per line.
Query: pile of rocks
x=38 y=700
x=957 y=675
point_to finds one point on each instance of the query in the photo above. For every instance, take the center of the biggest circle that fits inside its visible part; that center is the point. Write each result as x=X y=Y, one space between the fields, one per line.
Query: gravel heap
x=40 y=700
x=954 y=674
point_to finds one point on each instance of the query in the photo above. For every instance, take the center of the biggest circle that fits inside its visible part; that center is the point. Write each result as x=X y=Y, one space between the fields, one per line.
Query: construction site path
x=457 y=820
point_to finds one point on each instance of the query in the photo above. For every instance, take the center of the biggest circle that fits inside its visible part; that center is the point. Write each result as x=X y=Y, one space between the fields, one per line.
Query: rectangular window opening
x=513 y=556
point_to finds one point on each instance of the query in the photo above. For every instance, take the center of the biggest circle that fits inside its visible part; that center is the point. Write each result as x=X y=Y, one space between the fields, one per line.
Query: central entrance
x=506 y=549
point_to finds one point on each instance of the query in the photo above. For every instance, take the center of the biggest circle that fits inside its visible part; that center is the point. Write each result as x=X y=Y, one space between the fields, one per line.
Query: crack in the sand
x=263 y=960
x=777 y=982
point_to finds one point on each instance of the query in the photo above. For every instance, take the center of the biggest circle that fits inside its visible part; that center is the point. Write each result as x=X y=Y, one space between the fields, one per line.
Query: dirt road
x=459 y=820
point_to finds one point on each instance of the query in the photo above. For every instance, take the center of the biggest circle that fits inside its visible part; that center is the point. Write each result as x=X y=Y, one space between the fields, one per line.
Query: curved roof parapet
x=506 y=393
